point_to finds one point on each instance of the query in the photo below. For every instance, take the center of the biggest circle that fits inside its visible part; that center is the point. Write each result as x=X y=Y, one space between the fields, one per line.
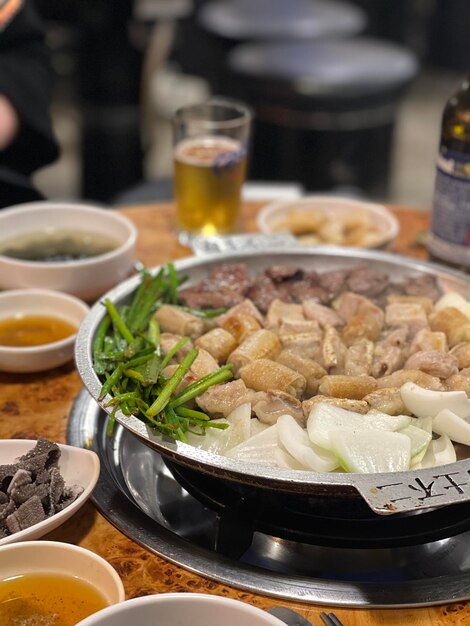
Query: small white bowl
x=85 y=278
x=176 y=609
x=377 y=227
x=77 y=467
x=23 y=302
x=57 y=558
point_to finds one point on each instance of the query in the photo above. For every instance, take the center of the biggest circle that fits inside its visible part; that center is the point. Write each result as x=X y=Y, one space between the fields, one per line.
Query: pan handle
x=417 y=490
x=206 y=246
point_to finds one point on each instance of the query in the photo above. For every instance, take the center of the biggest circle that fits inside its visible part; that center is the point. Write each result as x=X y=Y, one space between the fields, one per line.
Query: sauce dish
x=38 y=308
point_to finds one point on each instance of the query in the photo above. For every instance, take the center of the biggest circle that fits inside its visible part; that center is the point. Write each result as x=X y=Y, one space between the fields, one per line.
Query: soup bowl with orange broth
x=38 y=329
x=48 y=583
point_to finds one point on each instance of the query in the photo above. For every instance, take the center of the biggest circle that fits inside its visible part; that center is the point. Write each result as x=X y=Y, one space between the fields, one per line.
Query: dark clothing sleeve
x=26 y=80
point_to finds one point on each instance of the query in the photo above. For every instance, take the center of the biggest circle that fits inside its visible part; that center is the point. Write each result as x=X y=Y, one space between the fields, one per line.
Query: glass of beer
x=210 y=156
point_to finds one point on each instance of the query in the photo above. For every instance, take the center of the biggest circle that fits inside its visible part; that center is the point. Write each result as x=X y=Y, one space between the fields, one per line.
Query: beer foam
x=203 y=151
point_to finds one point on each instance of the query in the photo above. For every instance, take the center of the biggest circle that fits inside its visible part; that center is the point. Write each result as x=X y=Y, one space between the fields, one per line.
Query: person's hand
x=9 y=123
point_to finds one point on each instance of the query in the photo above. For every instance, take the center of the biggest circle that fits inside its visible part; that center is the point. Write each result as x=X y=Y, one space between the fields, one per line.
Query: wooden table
x=36 y=405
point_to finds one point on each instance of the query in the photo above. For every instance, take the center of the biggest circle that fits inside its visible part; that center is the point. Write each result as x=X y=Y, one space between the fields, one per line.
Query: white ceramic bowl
x=57 y=558
x=85 y=278
x=77 y=467
x=22 y=302
x=182 y=609
x=370 y=225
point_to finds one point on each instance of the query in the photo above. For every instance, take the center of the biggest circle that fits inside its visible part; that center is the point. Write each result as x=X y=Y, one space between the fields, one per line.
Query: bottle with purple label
x=449 y=239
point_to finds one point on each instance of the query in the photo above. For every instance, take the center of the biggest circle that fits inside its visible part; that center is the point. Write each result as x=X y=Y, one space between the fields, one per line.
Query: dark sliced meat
x=301 y=290
x=263 y=291
x=333 y=282
x=422 y=286
x=224 y=287
x=280 y=273
x=367 y=281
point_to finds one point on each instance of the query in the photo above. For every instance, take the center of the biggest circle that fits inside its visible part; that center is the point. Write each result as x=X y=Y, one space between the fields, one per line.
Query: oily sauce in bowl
x=33 y=330
x=47 y=600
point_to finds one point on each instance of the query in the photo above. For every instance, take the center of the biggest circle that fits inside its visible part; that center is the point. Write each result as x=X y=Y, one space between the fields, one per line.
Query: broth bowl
x=39 y=559
x=86 y=278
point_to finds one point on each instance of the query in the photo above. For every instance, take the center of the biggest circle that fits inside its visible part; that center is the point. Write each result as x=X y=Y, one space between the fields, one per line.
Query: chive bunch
x=128 y=359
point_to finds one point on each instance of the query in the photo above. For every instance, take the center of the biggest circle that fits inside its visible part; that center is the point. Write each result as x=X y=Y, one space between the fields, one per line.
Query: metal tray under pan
x=385 y=493
x=138 y=494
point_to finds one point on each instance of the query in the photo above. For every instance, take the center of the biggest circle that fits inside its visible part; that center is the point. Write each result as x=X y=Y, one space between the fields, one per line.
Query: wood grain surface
x=34 y=405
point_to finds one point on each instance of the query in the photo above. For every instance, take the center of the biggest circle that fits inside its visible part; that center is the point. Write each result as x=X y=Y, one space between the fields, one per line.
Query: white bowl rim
x=126 y=245
x=393 y=226
x=70 y=547
x=52 y=345
x=128 y=605
x=58 y=518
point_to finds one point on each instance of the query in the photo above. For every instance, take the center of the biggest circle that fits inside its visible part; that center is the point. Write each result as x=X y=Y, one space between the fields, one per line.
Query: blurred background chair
x=348 y=94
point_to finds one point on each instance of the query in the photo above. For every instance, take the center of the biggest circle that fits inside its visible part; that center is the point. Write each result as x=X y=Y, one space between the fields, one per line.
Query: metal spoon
x=290 y=617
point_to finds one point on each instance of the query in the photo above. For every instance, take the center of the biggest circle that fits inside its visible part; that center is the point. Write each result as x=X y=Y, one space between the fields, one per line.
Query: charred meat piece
x=280 y=273
x=333 y=282
x=263 y=291
x=25 y=488
x=425 y=286
x=367 y=281
x=225 y=286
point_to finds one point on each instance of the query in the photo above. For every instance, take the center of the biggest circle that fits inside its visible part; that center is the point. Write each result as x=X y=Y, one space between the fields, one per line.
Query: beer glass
x=210 y=156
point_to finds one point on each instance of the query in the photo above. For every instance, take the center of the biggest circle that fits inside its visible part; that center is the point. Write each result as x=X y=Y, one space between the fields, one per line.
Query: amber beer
x=209 y=173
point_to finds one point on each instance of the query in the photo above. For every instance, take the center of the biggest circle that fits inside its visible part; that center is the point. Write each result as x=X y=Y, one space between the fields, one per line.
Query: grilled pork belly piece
x=458 y=382
x=358 y=406
x=352 y=387
x=262 y=344
x=358 y=358
x=387 y=400
x=267 y=375
x=246 y=307
x=333 y=350
x=411 y=315
x=324 y=315
x=279 y=311
x=221 y=400
x=269 y=405
x=310 y=369
x=240 y=326
x=173 y=320
x=426 y=340
x=453 y=323
x=218 y=342
x=169 y=341
x=462 y=352
x=434 y=363
x=400 y=377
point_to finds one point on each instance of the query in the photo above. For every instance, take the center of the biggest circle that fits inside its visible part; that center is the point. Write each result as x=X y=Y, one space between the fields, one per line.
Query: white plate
x=77 y=466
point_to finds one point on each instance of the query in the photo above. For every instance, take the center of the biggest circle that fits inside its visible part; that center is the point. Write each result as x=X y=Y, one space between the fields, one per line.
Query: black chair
x=325 y=110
